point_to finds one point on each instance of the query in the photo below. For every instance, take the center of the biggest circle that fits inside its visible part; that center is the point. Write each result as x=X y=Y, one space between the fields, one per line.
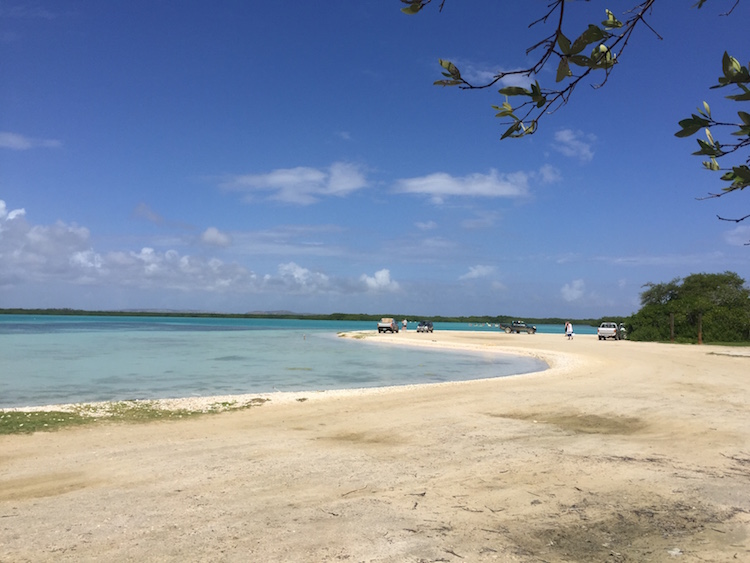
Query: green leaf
x=688 y=131
x=744 y=116
x=611 y=22
x=730 y=65
x=711 y=164
x=695 y=120
x=580 y=60
x=602 y=57
x=563 y=70
x=453 y=71
x=742 y=172
x=708 y=149
x=692 y=125
x=511 y=130
x=506 y=110
x=514 y=91
x=564 y=43
x=536 y=94
x=447 y=82
x=594 y=34
x=412 y=8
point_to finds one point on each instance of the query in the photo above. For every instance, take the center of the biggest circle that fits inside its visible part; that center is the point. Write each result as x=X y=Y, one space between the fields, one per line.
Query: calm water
x=60 y=359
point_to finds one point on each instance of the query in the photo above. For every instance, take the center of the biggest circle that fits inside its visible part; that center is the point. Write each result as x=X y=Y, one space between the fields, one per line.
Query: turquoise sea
x=65 y=359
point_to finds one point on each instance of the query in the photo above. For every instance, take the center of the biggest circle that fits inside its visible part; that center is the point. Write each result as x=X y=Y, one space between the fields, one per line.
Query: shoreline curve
x=463 y=341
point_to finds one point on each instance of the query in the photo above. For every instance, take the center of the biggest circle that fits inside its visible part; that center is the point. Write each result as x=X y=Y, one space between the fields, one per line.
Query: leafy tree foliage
x=593 y=54
x=717 y=304
x=595 y=49
x=738 y=176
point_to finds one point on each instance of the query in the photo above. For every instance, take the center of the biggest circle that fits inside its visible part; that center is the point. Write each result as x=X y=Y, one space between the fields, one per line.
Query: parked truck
x=387 y=324
x=608 y=330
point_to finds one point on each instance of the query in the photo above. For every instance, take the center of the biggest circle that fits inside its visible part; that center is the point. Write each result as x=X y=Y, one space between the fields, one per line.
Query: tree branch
x=733 y=220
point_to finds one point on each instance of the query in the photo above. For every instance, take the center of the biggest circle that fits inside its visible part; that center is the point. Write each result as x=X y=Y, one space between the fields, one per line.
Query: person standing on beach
x=405 y=322
x=569 y=330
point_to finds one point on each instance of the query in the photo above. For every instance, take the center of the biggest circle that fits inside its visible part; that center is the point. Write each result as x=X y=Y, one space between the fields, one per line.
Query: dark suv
x=424 y=326
x=518 y=327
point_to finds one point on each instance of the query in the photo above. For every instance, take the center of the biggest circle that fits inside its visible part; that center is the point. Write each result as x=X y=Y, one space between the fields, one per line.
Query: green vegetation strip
x=24 y=422
x=298 y=316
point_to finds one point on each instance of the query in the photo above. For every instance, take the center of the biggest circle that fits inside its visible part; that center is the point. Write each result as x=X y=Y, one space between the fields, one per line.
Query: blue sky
x=240 y=156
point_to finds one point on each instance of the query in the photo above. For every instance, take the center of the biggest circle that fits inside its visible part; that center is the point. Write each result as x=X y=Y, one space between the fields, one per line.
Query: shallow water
x=52 y=360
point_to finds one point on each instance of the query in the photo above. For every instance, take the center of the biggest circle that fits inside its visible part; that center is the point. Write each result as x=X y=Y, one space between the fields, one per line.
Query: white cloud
x=548 y=174
x=33 y=253
x=573 y=291
x=739 y=236
x=426 y=225
x=575 y=144
x=381 y=281
x=9 y=215
x=298 y=279
x=64 y=254
x=441 y=185
x=568 y=257
x=17 y=142
x=301 y=185
x=478 y=272
x=213 y=237
x=344 y=179
x=149 y=268
x=681 y=260
x=86 y=259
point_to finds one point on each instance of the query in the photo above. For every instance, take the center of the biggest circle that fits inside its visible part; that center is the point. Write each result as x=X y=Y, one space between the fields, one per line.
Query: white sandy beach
x=621 y=451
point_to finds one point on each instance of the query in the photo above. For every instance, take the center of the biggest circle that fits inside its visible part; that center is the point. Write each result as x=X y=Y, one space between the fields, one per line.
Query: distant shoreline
x=298 y=316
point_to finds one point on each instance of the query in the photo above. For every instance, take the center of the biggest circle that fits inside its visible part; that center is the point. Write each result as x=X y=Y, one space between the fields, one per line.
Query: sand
x=621 y=451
